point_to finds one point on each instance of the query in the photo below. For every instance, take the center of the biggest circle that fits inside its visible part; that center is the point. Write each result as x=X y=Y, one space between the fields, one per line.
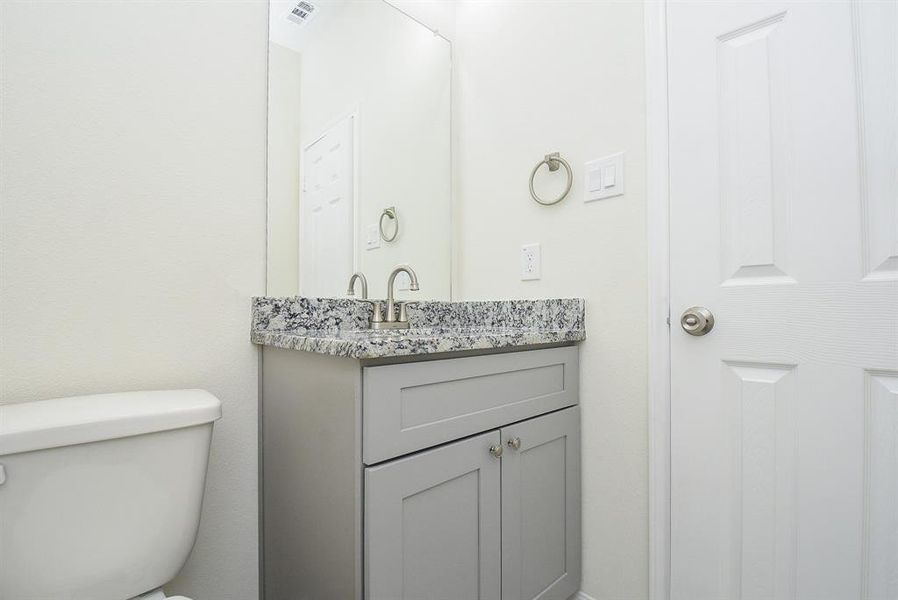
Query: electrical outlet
x=530 y=259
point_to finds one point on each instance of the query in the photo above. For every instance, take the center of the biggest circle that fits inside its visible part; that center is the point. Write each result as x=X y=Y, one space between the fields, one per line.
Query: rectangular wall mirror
x=358 y=149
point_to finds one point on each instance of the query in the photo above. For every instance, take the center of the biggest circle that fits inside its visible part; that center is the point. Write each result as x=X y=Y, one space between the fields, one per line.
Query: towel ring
x=553 y=161
x=390 y=213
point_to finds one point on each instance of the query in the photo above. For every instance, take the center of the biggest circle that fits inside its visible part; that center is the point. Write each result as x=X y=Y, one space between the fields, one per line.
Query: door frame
x=659 y=330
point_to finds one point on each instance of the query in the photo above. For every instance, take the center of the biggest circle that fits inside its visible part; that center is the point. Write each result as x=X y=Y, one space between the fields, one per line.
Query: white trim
x=658 y=225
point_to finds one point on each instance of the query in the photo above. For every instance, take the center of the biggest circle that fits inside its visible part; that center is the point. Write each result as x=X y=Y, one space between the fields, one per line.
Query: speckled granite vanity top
x=340 y=327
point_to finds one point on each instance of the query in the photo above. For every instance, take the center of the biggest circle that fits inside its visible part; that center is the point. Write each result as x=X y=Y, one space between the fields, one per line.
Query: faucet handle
x=377 y=315
x=403 y=314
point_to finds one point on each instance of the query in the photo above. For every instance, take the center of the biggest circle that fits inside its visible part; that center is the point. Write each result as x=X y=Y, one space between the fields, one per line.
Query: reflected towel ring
x=391 y=214
x=553 y=161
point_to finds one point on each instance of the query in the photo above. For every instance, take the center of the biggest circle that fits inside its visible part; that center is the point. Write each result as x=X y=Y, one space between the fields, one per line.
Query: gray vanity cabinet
x=450 y=523
x=541 y=507
x=384 y=480
x=433 y=524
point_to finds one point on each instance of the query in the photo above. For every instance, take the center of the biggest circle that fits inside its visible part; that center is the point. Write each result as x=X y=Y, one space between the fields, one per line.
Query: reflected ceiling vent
x=302 y=13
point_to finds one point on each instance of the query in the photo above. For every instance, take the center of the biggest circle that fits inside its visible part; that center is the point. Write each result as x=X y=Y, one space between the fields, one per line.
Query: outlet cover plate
x=530 y=262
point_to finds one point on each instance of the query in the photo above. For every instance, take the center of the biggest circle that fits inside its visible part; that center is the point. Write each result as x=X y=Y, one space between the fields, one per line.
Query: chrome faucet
x=361 y=277
x=396 y=316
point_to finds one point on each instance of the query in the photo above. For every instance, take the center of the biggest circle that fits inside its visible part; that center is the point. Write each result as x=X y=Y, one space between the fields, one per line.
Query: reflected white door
x=326 y=213
x=784 y=224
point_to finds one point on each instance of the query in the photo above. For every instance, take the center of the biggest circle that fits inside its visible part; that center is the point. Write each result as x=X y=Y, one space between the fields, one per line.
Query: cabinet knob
x=514 y=443
x=496 y=451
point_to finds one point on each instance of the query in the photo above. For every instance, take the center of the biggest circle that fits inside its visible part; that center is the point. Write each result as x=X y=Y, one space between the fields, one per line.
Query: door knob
x=697 y=320
x=514 y=443
x=496 y=451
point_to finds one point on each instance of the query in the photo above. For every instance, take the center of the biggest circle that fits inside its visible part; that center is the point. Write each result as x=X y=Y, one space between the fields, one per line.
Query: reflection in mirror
x=358 y=149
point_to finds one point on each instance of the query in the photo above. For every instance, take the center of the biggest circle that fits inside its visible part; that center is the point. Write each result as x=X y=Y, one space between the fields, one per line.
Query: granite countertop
x=339 y=327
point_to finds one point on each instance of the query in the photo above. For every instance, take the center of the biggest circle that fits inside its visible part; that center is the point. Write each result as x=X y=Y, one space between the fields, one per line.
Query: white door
x=784 y=224
x=326 y=213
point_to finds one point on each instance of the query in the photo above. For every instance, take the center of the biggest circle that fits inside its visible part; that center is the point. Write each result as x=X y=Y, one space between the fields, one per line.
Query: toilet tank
x=100 y=496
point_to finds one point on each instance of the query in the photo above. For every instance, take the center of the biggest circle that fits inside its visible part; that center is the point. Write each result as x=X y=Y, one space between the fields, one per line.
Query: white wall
x=567 y=77
x=284 y=145
x=132 y=226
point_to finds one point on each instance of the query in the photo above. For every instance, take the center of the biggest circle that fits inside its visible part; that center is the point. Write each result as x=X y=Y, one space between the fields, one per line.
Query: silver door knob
x=496 y=451
x=514 y=443
x=697 y=320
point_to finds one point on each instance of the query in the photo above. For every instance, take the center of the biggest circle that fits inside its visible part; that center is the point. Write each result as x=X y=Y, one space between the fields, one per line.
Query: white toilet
x=100 y=496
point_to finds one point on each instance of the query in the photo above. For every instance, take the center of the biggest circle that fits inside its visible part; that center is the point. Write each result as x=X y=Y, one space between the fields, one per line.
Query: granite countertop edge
x=339 y=327
x=382 y=345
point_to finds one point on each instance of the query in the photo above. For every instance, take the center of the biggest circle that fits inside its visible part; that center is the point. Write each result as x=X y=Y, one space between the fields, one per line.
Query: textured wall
x=132 y=226
x=569 y=77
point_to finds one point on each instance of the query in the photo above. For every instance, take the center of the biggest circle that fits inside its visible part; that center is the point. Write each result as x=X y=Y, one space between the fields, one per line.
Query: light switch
x=604 y=177
x=608 y=177
x=372 y=237
x=593 y=180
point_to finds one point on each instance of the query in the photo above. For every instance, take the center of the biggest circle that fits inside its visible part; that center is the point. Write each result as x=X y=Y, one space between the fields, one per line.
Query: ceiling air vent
x=302 y=13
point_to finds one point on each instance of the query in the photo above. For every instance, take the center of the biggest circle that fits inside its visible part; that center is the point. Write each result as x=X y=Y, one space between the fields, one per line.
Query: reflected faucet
x=392 y=320
x=361 y=277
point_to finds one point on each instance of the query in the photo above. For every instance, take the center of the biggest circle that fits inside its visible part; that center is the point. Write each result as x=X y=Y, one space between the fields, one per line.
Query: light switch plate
x=603 y=177
x=372 y=237
x=530 y=262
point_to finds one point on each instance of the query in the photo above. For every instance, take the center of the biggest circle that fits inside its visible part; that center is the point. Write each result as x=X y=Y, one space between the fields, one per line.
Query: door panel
x=541 y=508
x=432 y=524
x=784 y=223
x=326 y=213
x=876 y=56
x=762 y=426
x=751 y=77
x=881 y=491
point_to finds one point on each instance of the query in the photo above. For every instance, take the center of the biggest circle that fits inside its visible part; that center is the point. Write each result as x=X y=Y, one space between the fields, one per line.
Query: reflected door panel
x=326 y=213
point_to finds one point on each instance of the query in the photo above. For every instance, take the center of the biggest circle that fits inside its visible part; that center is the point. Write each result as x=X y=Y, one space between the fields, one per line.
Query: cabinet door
x=433 y=524
x=541 y=507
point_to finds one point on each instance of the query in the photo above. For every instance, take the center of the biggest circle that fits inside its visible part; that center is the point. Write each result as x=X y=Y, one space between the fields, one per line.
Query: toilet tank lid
x=81 y=419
